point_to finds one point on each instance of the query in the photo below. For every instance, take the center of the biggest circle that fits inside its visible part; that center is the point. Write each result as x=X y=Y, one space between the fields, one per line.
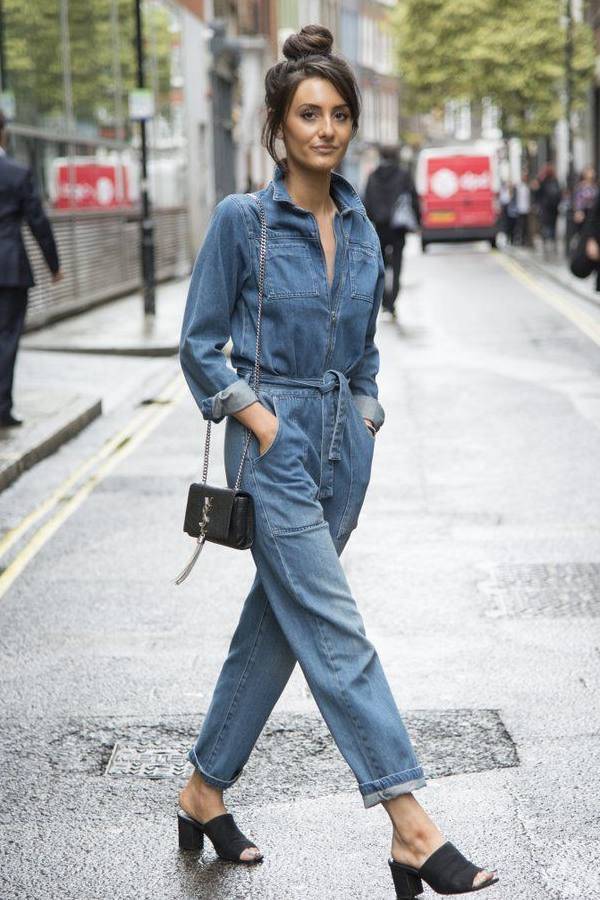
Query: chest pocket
x=289 y=271
x=364 y=268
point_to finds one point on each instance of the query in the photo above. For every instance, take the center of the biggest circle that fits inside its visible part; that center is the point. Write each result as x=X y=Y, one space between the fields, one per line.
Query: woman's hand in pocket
x=261 y=422
x=267 y=436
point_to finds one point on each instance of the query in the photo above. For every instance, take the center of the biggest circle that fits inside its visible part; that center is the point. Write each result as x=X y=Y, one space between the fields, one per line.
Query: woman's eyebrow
x=316 y=105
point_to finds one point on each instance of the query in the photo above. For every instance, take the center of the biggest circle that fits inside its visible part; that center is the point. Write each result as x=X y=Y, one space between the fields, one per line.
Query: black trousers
x=392 y=245
x=13 y=304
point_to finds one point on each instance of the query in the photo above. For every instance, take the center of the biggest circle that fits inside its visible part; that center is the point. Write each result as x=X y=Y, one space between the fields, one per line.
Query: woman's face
x=318 y=118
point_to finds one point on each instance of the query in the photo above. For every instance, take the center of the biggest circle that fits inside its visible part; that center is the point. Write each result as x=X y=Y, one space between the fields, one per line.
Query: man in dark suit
x=19 y=202
x=384 y=185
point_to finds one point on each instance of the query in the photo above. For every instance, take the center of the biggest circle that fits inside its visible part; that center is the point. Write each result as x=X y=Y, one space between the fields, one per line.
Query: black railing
x=99 y=254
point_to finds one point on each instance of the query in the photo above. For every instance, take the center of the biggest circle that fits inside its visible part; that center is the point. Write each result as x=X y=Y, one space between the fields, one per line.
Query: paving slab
x=119 y=327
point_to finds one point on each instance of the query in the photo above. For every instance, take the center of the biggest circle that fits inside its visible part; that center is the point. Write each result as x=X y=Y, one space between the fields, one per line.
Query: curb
x=564 y=279
x=164 y=350
x=80 y=413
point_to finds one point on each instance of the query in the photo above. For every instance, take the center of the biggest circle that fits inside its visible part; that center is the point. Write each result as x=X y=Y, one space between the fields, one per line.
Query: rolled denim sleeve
x=222 y=265
x=362 y=377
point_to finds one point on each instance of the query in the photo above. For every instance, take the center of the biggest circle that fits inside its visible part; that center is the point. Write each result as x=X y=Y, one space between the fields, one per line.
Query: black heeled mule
x=446 y=871
x=225 y=836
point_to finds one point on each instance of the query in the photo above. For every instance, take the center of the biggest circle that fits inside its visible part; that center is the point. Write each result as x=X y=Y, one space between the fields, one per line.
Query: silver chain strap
x=256 y=372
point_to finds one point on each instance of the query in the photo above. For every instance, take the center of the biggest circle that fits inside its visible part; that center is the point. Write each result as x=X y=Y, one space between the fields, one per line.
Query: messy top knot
x=307 y=55
x=309 y=40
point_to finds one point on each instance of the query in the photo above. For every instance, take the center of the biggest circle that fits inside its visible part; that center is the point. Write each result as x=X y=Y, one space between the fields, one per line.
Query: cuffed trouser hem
x=206 y=776
x=391 y=786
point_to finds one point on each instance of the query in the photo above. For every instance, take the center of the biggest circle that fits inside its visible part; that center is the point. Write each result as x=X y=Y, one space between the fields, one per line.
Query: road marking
x=117 y=449
x=586 y=322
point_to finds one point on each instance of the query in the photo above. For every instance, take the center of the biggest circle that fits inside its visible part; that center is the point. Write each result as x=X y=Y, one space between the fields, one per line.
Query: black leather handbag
x=225 y=515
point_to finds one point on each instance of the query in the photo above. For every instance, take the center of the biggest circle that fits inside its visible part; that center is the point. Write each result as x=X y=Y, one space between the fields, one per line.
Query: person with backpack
x=392 y=204
x=548 y=195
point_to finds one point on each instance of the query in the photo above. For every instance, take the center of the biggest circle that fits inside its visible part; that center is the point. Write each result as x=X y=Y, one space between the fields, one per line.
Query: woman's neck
x=311 y=191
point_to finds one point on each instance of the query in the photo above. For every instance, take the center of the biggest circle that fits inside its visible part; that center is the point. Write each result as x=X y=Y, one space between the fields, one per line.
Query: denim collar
x=343 y=193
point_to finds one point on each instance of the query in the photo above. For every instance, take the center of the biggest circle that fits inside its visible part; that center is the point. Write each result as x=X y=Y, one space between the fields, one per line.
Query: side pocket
x=277 y=437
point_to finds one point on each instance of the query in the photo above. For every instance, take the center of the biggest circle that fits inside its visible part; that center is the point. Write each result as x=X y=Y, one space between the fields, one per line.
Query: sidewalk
x=119 y=327
x=555 y=268
x=57 y=398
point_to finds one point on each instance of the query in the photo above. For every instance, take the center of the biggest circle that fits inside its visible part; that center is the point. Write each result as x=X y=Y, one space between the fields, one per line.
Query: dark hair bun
x=310 y=40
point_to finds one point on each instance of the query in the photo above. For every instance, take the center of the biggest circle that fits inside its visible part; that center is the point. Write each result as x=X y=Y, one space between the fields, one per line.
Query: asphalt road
x=476 y=566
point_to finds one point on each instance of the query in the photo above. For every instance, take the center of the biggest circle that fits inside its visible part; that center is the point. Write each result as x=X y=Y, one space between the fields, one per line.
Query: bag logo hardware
x=203 y=523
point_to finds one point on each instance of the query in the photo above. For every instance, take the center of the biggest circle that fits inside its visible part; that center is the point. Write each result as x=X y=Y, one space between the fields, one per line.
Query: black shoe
x=226 y=837
x=9 y=421
x=447 y=871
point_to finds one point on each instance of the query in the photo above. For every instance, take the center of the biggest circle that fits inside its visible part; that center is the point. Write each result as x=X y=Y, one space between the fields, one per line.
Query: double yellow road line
x=67 y=497
x=584 y=320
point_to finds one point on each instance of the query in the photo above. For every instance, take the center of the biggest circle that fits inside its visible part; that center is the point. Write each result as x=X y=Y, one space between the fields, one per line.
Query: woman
x=314 y=422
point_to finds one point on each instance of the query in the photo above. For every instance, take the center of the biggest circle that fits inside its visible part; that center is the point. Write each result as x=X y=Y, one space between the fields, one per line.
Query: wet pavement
x=476 y=566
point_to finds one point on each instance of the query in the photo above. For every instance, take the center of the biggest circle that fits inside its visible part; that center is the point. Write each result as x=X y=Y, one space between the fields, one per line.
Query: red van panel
x=458 y=199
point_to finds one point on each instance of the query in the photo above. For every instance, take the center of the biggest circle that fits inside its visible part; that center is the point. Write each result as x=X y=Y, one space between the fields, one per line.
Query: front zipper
x=324 y=258
x=332 y=312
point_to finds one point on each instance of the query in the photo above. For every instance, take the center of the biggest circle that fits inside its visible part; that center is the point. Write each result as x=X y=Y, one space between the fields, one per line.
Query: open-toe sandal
x=225 y=836
x=446 y=871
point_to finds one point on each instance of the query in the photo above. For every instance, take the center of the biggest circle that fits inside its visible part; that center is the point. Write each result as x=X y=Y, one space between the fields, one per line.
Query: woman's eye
x=309 y=113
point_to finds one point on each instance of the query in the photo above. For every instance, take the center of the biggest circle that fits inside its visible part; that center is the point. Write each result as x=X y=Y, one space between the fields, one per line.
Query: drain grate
x=563 y=589
x=148 y=761
x=296 y=756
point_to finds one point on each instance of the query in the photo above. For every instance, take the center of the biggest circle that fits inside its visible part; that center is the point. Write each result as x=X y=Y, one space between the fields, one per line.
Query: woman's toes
x=251 y=853
x=483 y=876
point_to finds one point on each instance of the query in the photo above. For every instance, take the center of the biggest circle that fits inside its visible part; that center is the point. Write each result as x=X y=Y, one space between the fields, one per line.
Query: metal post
x=147 y=231
x=570 y=225
x=3 y=84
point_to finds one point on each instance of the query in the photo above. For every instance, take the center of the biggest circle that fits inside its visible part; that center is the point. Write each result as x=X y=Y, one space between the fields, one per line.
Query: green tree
x=34 y=54
x=512 y=51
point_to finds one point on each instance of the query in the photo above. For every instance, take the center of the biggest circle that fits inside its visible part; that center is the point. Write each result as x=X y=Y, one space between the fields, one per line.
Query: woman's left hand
x=370 y=426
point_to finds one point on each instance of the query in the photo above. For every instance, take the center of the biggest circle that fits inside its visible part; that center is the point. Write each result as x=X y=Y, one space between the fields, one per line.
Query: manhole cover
x=296 y=756
x=563 y=589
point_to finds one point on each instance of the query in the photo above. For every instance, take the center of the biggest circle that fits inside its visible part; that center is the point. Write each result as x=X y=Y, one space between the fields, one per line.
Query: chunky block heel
x=406 y=881
x=191 y=833
x=225 y=836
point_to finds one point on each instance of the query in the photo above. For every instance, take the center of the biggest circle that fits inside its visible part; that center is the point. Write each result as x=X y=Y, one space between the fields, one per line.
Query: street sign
x=8 y=105
x=141 y=104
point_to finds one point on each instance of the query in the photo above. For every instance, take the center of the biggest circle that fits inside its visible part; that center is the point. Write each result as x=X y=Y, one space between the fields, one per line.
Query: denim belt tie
x=334 y=414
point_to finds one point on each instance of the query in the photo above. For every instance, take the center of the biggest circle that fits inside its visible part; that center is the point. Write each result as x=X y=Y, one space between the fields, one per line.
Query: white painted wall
x=198 y=125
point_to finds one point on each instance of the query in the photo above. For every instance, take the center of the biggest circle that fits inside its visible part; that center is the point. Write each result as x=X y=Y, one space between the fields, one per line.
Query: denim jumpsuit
x=318 y=367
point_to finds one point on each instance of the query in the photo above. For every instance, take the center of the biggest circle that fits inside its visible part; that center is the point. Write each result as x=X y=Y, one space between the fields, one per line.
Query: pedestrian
x=584 y=197
x=523 y=204
x=19 y=202
x=385 y=185
x=313 y=424
x=504 y=197
x=511 y=213
x=548 y=195
x=585 y=253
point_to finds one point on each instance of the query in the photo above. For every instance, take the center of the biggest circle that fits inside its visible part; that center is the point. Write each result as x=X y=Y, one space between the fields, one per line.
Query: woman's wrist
x=260 y=420
x=370 y=426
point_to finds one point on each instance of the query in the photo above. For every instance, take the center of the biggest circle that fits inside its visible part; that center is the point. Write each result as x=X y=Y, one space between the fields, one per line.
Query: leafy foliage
x=512 y=51
x=34 y=56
